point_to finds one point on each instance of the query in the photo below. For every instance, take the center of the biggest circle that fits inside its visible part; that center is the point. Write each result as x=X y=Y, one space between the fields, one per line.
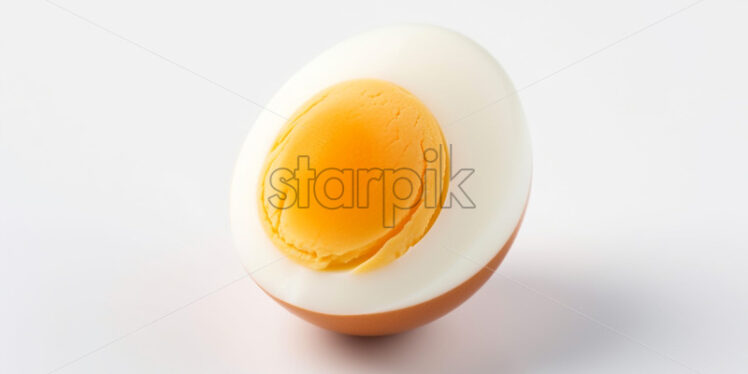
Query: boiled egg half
x=385 y=182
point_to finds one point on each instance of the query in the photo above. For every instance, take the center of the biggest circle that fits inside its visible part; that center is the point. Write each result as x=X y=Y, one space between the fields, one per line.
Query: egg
x=385 y=182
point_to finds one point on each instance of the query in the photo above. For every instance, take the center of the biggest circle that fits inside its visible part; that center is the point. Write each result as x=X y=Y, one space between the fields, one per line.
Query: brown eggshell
x=400 y=320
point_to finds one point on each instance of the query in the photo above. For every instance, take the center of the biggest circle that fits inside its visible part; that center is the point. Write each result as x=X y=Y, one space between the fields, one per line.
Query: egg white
x=457 y=80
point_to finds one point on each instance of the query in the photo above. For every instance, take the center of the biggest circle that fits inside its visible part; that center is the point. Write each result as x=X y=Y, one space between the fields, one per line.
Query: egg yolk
x=355 y=177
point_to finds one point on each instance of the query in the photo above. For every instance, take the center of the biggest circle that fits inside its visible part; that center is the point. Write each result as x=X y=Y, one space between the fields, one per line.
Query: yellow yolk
x=356 y=177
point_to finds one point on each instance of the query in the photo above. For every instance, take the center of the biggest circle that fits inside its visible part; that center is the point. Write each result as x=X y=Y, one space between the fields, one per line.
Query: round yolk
x=356 y=177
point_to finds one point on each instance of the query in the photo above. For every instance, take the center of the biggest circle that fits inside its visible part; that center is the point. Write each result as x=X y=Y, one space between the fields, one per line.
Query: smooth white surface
x=115 y=168
x=453 y=77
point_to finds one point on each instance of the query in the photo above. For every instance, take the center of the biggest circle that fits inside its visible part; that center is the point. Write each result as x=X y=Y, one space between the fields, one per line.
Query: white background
x=116 y=150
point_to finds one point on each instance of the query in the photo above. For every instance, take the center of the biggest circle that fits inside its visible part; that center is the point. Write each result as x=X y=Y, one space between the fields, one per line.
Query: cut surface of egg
x=385 y=182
